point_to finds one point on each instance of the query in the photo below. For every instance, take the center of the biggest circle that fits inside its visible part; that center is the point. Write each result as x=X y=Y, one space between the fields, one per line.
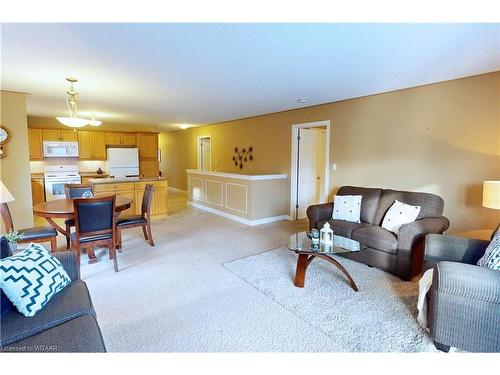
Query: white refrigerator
x=123 y=162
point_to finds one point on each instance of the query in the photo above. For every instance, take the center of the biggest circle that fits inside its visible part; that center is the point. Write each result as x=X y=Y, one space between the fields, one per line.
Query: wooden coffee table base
x=304 y=261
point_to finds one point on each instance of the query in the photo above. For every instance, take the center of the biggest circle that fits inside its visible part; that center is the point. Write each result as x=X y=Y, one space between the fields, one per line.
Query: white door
x=205 y=154
x=311 y=169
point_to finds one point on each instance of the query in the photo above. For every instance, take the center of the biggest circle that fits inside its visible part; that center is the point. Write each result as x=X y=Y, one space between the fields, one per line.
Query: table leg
x=300 y=272
x=56 y=226
x=341 y=268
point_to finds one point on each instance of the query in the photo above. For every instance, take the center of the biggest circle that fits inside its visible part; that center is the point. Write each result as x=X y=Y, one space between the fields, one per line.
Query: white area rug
x=381 y=317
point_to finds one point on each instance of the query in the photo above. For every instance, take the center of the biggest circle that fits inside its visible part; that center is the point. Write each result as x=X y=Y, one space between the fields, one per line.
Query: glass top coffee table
x=302 y=245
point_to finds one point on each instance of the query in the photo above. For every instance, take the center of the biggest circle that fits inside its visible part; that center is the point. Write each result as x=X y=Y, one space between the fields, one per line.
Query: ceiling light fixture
x=93 y=121
x=302 y=100
x=183 y=126
x=73 y=120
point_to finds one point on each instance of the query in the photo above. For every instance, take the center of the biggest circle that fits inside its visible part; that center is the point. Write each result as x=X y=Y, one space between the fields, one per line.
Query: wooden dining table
x=63 y=209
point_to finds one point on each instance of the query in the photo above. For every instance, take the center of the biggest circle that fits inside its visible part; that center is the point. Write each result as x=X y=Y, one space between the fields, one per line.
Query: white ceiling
x=168 y=74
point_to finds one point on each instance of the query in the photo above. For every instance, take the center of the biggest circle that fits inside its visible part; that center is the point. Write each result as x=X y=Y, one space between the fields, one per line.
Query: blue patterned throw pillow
x=31 y=278
x=491 y=257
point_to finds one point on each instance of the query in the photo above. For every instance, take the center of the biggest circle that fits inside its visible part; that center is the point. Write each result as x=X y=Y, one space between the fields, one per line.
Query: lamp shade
x=491 y=194
x=5 y=195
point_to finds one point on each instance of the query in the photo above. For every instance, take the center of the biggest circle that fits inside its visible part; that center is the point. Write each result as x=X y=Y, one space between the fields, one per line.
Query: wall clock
x=5 y=137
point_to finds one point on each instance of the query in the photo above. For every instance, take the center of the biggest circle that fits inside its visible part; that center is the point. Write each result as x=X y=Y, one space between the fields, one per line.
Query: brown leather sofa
x=402 y=254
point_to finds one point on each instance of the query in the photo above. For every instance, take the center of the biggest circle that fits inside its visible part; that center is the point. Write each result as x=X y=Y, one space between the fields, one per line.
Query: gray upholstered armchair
x=464 y=299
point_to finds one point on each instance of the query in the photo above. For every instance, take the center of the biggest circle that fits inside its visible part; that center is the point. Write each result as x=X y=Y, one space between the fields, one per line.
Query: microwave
x=54 y=149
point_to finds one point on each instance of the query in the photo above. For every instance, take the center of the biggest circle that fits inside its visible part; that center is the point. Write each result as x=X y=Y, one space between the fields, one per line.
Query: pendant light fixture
x=73 y=120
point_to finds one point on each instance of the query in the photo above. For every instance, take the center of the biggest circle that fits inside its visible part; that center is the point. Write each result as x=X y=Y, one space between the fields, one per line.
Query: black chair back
x=147 y=198
x=77 y=190
x=94 y=216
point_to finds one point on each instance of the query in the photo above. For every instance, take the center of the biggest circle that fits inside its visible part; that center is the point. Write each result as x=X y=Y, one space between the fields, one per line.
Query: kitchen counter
x=109 y=180
x=82 y=174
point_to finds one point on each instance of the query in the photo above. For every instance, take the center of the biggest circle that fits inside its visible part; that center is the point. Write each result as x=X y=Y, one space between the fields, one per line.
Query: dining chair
x=75 y=191
x=95 y=224
x=34 y=234
x=143 y=220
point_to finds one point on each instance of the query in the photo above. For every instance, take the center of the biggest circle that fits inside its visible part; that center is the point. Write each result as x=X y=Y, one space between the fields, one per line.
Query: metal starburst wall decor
x=240 y=157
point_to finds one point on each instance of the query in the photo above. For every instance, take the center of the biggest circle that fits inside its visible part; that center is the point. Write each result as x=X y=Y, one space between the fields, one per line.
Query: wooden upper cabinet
x=123 y=139
x=50 y=135
x=91 y=145
x=59 y=135
x=99 y=145
x=35 y=144
x=148 y=146
x=68 y=135
x=113 y=138
x=128 y=139
x=84 y=145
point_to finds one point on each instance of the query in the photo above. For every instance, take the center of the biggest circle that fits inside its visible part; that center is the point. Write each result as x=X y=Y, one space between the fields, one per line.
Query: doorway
x=310 y=166
x=204 y=150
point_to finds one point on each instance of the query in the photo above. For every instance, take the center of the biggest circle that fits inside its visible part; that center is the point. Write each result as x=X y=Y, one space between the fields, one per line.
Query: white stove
x=56 y=176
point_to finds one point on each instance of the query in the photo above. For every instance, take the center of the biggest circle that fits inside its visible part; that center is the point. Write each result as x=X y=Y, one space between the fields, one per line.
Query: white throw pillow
x=491 y=257
x=399 y=214
x=347 y=208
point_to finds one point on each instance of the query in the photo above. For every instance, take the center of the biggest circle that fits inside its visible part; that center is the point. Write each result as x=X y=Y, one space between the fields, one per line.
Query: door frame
x=293 y=166
x=198 y=153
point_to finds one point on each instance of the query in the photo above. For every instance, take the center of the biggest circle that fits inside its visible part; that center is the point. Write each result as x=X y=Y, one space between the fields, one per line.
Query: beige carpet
x=178 y=297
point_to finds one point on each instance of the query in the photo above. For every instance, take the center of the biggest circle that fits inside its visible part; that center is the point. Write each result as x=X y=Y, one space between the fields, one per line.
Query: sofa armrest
x=319 y=212
x=69 y=263
x=463 y=305
x=454 y=249
x=410 y=233
x=467 y=281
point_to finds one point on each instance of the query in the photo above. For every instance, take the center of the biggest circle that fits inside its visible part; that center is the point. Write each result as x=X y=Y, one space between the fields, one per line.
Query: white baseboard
x=239 y=219
x=179 y=190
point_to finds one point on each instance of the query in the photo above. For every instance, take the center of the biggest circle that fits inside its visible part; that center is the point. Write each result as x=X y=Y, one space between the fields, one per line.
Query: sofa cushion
x=347 y=208
x=431 y=205
x=78 y=335
x=71 y=302
x=369 y=201
x=341 y=227
x=376 y=238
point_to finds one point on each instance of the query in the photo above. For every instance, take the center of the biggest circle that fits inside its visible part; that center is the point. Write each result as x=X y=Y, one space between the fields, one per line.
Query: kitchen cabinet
x=120 y=139
x=35 y=144
x=37 y=190
x=91 y=145
x=148 y=168
x=59 y=135
x=135 y=191
x=99 y=145
x=159 y=205
x=148 y=146
x=125 y=189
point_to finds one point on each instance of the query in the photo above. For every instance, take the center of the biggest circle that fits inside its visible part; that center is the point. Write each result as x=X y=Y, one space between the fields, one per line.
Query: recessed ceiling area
x=171 y=74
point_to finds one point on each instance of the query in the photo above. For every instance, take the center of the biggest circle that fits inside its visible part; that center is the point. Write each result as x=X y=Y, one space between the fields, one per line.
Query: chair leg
x=78 y=251
x=119 y=235
x=53 y=244
x=112 y=251
x=145 y=233
x=150 y=236
x=441 y=347
x=68 y=230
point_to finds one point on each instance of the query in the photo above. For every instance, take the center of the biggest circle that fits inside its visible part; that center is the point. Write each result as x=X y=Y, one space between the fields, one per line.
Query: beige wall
x=15 y=167
x=442 y=138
